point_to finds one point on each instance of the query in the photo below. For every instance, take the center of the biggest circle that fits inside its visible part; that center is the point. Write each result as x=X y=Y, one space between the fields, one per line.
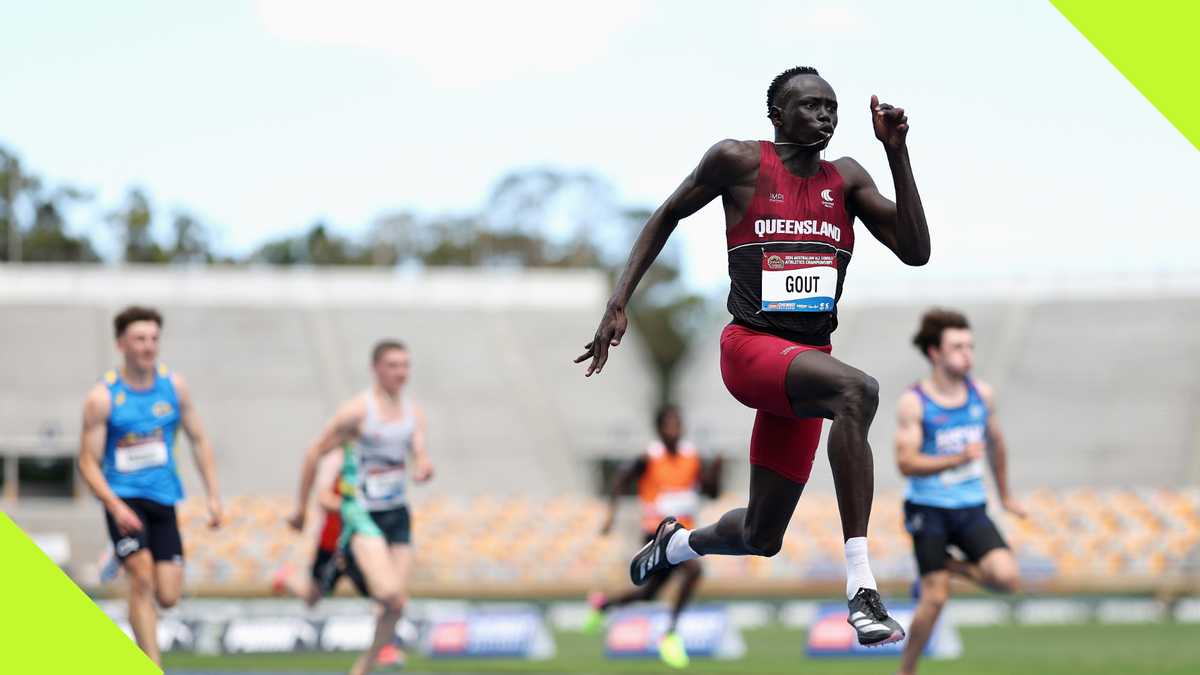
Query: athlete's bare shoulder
x=852 y=172
x=985 y=391
x=909 y=405
x=97 y=401
x=728 y=162
x=351 y=413
x=180 y=383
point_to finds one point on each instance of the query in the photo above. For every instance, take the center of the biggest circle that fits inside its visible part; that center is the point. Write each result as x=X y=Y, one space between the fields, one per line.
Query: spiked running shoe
x=652 y=558
x=870 y=620
x=672 y=651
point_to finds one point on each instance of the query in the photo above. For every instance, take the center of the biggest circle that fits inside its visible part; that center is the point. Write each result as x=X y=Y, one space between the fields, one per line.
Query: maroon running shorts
x=754 y=367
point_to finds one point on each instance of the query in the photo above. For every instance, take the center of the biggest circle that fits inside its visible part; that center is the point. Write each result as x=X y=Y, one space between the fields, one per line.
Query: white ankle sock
x=678 y=548
x=858 y=567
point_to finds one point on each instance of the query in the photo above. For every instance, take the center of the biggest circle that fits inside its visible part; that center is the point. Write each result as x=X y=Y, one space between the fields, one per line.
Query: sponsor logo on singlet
x=775 y=197
x=827 y=198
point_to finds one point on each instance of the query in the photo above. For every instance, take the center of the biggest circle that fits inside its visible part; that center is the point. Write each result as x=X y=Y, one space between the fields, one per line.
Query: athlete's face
x=139 y=344
x=956 y=356
x=806 y=111
x=391 y=370
x=671 y=428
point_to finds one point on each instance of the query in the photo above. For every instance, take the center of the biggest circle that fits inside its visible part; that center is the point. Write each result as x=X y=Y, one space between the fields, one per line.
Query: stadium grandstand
x=1101 y=416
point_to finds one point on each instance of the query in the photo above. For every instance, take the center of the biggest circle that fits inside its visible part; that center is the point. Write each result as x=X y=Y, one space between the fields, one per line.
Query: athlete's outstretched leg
x=757 y=529
x=372 y=556
x=690 y=573
x=935 y=589
x=143 y=616
x=819 y=385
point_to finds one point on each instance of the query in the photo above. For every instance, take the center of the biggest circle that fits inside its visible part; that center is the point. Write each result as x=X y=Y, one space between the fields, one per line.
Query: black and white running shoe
x=870 y=620
x=652 y=558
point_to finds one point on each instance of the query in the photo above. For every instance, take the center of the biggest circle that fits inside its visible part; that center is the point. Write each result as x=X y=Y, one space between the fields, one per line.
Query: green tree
x=191 y=243
x=133 y=221
x=319 y=245
x=48 y=240
x=16 y=187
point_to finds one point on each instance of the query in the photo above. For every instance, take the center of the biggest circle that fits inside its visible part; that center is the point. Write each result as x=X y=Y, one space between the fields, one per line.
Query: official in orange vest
x=671 y=477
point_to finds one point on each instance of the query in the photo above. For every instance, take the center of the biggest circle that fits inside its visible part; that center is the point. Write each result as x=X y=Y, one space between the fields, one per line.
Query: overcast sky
x=1031 y=152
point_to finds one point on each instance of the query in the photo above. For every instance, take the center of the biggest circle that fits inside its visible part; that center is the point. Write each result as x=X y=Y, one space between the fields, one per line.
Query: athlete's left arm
x=710 y=477
x=202 y=449
x=424 y=467
x=998 y=452
x=899 y=225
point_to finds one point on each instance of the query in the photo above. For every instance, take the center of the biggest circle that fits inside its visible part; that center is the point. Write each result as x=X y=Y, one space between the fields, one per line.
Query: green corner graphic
x=1153 y=44
x=48 y=625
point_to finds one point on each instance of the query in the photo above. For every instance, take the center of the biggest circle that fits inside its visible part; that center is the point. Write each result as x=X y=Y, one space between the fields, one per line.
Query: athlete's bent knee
x=1006 y=581
x=765 y=545
x=166 y=600
x=858 y=396
x=142 y=585
x=393 y=601
x=934 y=597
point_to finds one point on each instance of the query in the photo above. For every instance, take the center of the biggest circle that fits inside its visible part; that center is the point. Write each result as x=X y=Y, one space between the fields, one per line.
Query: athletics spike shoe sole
x=652 y=558
x=870 y=620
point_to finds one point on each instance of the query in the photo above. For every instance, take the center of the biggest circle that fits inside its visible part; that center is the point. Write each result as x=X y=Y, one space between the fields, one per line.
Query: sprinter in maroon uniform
x=789 y=220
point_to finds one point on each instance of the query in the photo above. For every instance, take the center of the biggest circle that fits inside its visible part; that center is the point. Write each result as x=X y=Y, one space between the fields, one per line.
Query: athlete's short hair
x=663 y=411
x=132 y=314
x=933 y=323
x=782 y=79
x=384 y=346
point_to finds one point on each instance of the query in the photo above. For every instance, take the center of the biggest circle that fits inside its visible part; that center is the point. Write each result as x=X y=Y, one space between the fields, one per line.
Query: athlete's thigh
x=785 y=445
x=162 y=534
x=139 y=567
x=401 y=555
x=773 y=499
x=999 y=563
x=816 y=380
x=374 y=561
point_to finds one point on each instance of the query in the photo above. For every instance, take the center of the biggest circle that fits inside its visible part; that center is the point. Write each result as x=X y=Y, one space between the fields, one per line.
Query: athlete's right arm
x=342 y=429
x=327 y=477
x=96 y=408
x=724 y=164
x=910 y=436
x=625 y=475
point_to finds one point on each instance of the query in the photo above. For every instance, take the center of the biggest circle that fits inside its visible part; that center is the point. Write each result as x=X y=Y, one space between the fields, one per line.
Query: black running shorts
x=395 y=524
x=159 y=533
x=933 y=529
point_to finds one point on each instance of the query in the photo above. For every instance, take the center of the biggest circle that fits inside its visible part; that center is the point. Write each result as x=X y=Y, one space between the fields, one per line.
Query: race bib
x=141 y=456
x=799 y=282
x=680 y=503
x=384 y=484
x=962 y=474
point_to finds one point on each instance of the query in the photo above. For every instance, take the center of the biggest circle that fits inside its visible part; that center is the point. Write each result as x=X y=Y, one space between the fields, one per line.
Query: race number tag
x=961 y=474
x=799 y=282
x=138 y=456
x=384 y=484
x=678 y=503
